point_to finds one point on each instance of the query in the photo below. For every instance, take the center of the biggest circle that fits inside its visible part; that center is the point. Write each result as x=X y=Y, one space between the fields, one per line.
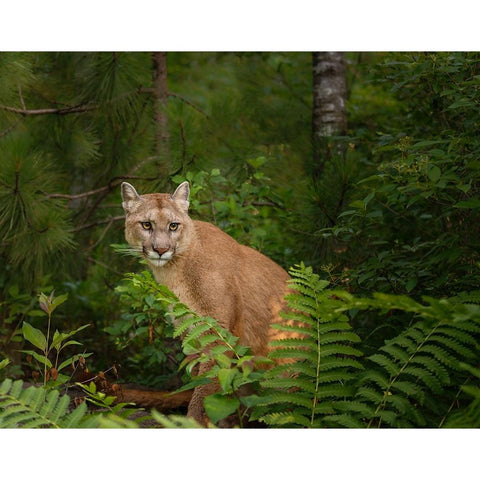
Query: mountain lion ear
x=181 y=195
x=129 y=196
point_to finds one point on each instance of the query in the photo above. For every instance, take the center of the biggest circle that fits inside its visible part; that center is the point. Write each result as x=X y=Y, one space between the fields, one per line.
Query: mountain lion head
x=157 y=224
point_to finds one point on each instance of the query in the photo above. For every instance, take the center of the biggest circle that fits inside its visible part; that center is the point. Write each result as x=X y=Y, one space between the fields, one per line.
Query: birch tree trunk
x=329 y=116
x=160 y=93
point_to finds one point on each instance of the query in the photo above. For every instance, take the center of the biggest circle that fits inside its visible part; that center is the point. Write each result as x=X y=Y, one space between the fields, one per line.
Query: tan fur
x=208 y=270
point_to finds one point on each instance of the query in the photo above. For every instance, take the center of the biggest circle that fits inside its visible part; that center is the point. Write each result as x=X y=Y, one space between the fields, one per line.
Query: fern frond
x=334 y=349
x=294 y=343
x=376 y=377
x=468 y=417
x=344 y=420
x=195 y=333
x=455 y=346
x=371 y=394
x=467 y=297
x=296 y=318
x=390 y=418
x=415 y=365
x=33 y=407
x=460 y=334
x=396 y=352
x=186 y=323
x=410 y=389
x=339 y=362
x=355 y=406
x=176 y=421
x=293 y=354
x=433 y=366
x=79 y=417
x=292 y=418
x=319 y=360
x=386 y=362
x=301 y=399
x=289 y=383
x=333 y=336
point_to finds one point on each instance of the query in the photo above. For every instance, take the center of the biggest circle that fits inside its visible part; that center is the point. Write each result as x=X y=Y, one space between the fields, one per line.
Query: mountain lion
x=207 y=269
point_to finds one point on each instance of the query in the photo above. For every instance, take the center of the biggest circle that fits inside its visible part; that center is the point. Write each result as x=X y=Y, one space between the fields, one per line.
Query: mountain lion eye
x=173 y=226
x=146 y=225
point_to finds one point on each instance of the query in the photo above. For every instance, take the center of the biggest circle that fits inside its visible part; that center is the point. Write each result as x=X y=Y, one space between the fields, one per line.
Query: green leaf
x=34 y=336
x=40 y=358
x=470 y=203
x=58 y=338
x=57 y=301
x=36 y=313
x=223 y=360
x=4 y=363
x=74 y=358
x=411 y=284
x=218 y=406
x=225 y=378
x=434 y=173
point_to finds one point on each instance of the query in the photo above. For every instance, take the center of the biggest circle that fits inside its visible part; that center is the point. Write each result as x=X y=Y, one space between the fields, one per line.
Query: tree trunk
x=160 y=93
x=329 y=116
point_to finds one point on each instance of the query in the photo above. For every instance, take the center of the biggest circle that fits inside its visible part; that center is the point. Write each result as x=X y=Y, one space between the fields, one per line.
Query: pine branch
x=176 y=95
x=80 y=108
x=114 y=182
x=109 y=221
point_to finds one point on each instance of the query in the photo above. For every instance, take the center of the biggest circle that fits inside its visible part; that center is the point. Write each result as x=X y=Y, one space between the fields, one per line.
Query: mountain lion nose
x=160 y=251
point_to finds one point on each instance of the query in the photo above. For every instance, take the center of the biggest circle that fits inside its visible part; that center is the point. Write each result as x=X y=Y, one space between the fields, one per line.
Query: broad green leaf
x=218 y=406
x=34 y=336
x=434 y=173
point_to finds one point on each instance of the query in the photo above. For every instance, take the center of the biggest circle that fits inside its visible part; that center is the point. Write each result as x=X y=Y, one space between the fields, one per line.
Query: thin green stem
x=317 y=373
x=46 y=350
x=454 y=401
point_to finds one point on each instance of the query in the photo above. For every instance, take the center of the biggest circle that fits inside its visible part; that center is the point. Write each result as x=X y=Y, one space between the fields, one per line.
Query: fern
x=176 y=421
x=206 y=344
x=408 y=382
x=470 y=415
x=33 y=407
x=321 y=377
x=202 y=336
x=468 y=297
x=317 y=361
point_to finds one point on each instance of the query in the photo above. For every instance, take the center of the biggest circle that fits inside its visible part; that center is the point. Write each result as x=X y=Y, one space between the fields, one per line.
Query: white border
x=220 y=25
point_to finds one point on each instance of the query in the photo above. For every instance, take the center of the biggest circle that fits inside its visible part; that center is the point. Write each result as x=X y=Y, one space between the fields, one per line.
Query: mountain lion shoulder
x=207 y=269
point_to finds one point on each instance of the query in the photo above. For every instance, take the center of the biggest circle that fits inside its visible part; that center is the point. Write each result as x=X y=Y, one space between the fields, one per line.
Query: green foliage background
x=397 y=215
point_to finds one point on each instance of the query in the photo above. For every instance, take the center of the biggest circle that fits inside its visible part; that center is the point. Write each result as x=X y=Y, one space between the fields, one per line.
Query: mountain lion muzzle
x=208 y=271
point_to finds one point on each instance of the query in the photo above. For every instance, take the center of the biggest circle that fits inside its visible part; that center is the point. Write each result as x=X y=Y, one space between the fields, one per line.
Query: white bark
x=329 y=93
